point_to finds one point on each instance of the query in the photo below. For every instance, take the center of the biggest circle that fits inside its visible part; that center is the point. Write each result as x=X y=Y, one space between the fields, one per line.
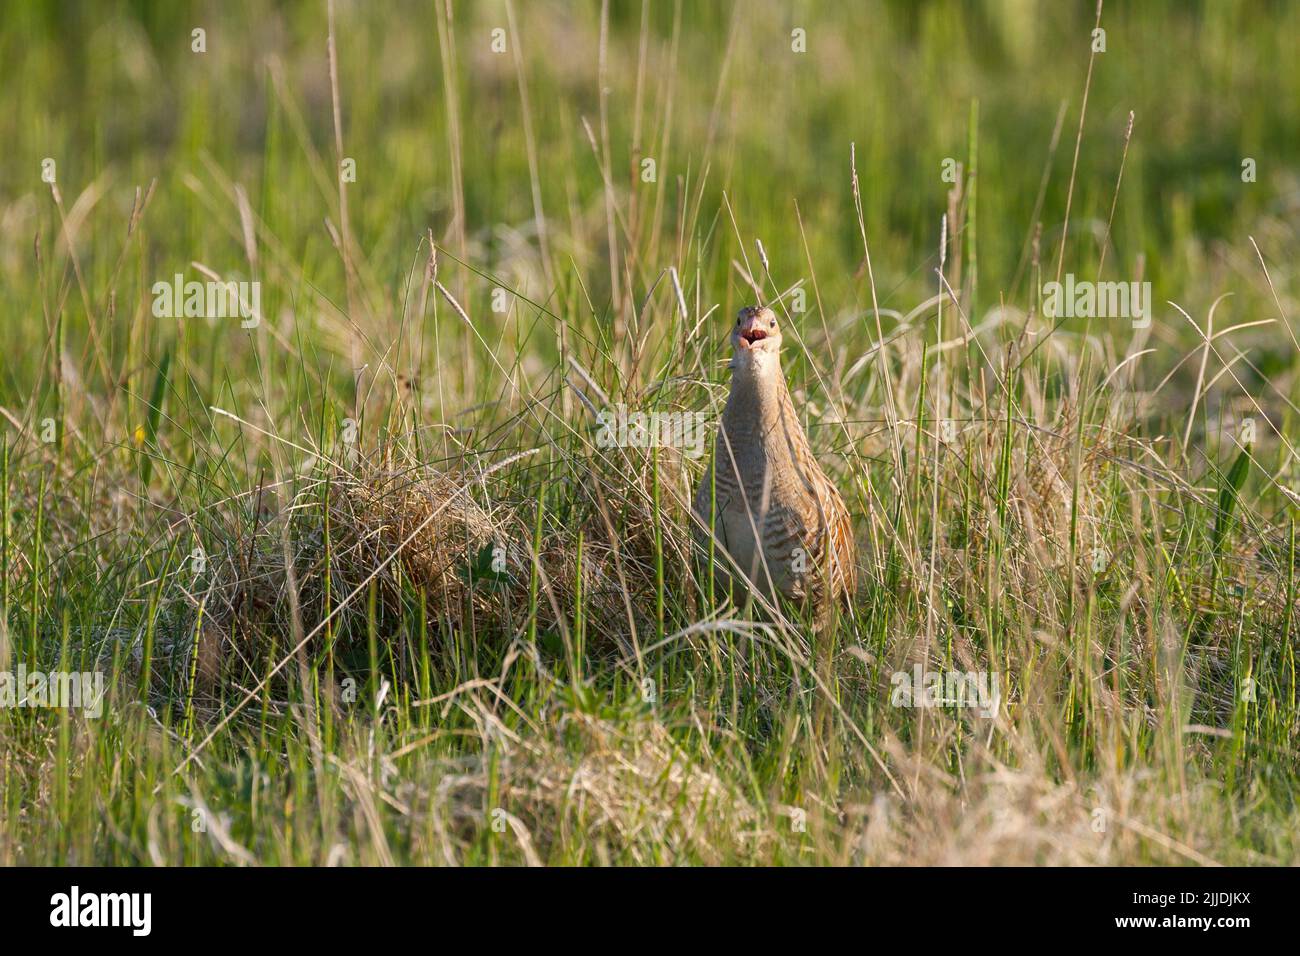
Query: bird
x=764 y=500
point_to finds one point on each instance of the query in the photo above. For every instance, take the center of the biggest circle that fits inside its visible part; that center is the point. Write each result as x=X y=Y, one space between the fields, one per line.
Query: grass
x=365 y=587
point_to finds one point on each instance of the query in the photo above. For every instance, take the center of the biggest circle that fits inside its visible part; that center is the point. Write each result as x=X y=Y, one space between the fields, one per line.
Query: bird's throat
x=758 y=391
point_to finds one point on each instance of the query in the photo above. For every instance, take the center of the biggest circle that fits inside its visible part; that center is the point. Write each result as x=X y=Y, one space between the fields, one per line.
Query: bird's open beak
x=752 y=330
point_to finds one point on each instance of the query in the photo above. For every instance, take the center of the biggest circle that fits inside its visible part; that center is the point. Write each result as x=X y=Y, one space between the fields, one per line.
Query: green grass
x=543 y=674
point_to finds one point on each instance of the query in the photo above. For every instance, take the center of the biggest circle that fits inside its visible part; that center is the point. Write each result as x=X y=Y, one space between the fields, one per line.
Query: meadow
x=365 y=586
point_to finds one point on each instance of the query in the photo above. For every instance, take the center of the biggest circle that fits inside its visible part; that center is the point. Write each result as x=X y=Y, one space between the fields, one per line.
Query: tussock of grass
x=381 y=530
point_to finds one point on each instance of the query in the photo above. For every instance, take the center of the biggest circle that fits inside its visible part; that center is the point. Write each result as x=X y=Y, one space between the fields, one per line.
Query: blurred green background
x=113 y=92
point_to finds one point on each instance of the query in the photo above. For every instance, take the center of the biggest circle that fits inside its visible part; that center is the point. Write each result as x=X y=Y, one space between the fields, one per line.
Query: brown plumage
x=772 y=509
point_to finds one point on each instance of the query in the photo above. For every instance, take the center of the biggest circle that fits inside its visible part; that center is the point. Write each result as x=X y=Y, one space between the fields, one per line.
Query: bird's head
x=756 y=339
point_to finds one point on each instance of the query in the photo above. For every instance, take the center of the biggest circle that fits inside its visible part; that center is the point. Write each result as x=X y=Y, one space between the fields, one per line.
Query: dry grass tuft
x=358 y=541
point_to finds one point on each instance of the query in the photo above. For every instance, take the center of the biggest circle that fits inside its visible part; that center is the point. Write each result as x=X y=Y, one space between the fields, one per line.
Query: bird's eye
x=771 y=324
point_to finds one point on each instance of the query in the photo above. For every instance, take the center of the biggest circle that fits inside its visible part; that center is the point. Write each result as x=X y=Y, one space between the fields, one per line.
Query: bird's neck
x=759 y=395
